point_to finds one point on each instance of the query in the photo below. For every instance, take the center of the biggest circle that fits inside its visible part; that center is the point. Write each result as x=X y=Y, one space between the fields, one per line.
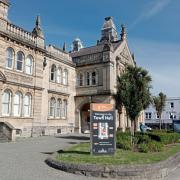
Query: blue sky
x=153 y=30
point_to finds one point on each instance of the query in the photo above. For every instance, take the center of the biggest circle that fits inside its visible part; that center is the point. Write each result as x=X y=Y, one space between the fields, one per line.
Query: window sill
x=15 y=117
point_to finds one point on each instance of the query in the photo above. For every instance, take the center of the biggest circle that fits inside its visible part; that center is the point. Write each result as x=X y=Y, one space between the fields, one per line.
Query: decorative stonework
x=89 y=59
x=18 y=78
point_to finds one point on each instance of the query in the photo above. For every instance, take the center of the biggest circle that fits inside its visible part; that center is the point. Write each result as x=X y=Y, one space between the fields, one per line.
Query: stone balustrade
x=19 y=32
x=57 y=52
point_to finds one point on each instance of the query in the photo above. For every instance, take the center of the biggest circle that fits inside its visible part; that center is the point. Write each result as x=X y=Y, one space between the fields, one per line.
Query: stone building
x=45 y=90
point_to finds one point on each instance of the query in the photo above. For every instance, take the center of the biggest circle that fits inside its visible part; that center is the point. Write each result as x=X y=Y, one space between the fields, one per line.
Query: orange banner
x=101 y=107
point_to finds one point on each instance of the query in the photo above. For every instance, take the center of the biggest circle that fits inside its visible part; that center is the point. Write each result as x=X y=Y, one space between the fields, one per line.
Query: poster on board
x=102 y=129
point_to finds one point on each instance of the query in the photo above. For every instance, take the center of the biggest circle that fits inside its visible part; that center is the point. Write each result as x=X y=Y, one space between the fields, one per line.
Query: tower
x=4 y=7
x=38 y=33
x=108 y=31
x=77 y=45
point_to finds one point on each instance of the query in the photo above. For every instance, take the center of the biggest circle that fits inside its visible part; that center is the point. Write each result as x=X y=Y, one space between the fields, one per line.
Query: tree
x=119 y=106
x=133 y=92
x=159 y=103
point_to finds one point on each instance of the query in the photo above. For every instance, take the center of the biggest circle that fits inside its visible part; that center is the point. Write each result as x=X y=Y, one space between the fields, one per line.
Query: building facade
x=171 y=112
x=45 y=90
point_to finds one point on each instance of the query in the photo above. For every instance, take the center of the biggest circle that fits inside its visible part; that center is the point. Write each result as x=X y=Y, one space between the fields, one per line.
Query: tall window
x=52 y=107
x=81 y=79
x=59 y=75
x=27 y=105
x=94 y=78
x=6 y=103
x=88 y=78
x=64 y=109
x=19 y=61
x=29 y=64
x=65 y=77
x=58 y=108
x=53 y=73
x=9 y=57
x=17 y=104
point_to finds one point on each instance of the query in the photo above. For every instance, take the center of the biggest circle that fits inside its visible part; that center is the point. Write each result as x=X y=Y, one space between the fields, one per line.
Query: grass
x=80 y=154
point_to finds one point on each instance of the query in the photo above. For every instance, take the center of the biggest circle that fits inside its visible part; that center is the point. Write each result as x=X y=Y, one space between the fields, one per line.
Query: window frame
x=20 y=61
x=9 y=58
x=9 y=103
x=30 y=65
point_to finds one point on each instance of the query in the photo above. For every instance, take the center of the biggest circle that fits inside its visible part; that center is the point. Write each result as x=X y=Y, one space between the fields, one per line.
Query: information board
x=102 y=129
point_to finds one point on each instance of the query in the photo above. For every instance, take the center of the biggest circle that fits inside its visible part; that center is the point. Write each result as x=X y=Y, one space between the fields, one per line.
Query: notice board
x=102 y=122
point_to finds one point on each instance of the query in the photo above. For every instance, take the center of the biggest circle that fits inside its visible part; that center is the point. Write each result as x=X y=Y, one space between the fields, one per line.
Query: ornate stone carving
x=13 y=77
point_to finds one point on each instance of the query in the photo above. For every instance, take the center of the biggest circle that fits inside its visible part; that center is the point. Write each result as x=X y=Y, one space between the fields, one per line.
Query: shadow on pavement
x=49 y=153
x=72 y=152
x=74 y=137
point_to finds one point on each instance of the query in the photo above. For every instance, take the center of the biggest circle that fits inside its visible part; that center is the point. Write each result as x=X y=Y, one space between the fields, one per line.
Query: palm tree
x=119 y=106
x=159 y=103
x=133 y=90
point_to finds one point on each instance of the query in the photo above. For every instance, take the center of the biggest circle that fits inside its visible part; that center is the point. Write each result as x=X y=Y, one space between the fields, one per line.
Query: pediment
x=2 y=77
x=124 y=55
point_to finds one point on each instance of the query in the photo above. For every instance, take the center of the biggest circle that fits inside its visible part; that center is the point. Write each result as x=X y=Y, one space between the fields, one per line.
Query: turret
x=38 y=33
x=108 y=31
x=4 y=7
x=77 y=45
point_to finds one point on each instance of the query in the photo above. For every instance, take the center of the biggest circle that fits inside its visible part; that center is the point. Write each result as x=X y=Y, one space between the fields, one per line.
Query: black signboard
x=102 y=129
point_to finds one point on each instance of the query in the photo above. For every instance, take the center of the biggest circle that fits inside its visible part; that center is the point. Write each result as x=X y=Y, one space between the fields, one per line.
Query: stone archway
x=85 y=118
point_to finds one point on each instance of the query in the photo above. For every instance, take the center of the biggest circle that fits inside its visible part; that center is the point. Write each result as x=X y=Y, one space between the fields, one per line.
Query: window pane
x=19 y=63
x=94 y=78
x=53 y=71
x=6 y=103
x=52 y=107
x=59 y=75
x=17 y=108
x=29 y=65
x=27 y=105
x=9 y=57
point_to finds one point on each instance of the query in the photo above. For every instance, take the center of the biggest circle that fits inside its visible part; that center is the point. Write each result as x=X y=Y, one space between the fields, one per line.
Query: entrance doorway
x=85 y=118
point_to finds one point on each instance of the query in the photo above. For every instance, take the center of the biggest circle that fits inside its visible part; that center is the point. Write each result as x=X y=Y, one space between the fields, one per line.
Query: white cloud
x=152 y=9
x=162 y=60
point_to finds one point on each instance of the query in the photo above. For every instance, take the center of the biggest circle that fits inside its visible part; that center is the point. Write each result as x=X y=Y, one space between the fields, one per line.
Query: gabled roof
x=93 y=49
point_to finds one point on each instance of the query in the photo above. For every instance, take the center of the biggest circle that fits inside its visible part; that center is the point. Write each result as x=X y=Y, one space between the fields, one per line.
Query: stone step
x=3 y=140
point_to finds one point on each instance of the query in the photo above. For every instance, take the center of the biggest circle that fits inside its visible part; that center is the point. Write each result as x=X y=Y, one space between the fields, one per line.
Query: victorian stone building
x=45 y=90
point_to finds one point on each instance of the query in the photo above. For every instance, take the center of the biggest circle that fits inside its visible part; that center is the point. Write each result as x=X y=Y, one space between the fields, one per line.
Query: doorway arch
x=85 y=118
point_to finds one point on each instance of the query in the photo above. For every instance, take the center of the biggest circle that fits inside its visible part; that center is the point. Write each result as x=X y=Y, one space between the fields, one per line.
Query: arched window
x=64 y=109
x=53 y=73
x=27 y=105
x=52 y=107
x=19 y=61
x=81 y=79
x=29 y=65
x=17 y=104
x=58 y=108
x=6 y=103
x=59 y=75
x=9 y=57
x=65 y=77
x=94 y=78
x=87 y=78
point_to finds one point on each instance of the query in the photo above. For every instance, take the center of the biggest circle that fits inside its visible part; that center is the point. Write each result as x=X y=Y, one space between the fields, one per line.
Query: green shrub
x=164 y=137
x=143 y=148
x=151 y=146
x=123 y=141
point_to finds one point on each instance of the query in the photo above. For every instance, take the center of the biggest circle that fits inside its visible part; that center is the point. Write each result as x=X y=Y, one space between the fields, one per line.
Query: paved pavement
x=24 y=160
